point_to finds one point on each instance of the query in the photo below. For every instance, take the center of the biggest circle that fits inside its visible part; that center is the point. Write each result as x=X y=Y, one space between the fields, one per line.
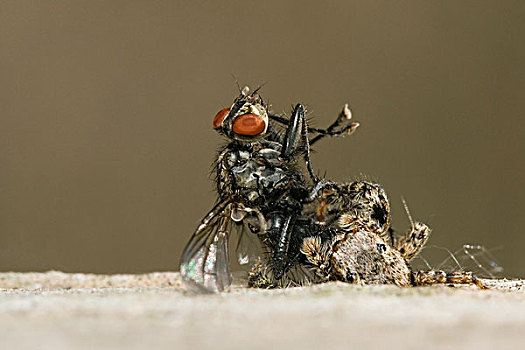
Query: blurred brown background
x=106 y=110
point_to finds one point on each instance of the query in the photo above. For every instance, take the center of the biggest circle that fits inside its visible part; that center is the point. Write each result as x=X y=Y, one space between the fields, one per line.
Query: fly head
x=246 y=120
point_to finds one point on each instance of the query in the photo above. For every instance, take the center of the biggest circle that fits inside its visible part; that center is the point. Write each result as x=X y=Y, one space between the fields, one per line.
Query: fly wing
x=205 y=263
x=249 y=232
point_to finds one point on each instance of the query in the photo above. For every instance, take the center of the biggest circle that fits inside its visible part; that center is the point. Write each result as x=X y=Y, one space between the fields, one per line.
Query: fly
x=261 y=190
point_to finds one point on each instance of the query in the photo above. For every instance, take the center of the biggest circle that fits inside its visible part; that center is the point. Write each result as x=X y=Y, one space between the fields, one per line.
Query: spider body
x=364 y=249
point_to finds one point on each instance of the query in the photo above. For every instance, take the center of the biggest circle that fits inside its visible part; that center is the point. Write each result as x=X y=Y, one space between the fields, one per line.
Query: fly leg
x=278 y=234
x=339 y=127
x=298 y=130
x=342 y=122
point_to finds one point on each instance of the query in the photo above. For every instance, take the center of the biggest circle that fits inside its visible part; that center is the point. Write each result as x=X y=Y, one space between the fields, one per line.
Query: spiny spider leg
x=413 y=242
x=427 y=278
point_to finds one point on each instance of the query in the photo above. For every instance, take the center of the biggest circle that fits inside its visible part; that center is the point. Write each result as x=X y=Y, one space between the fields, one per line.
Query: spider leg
x=392 y=236
x=413 y=242
x=427 y=278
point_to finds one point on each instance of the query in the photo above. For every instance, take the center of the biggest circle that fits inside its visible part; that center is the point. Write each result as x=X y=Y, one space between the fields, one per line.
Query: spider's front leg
x=414 y=240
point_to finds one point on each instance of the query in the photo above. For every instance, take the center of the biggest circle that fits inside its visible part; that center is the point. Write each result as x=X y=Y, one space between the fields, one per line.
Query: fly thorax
x=255 y=174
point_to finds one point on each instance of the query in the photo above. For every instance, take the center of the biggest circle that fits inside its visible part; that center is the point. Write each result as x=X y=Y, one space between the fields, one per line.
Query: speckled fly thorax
x=256 y=174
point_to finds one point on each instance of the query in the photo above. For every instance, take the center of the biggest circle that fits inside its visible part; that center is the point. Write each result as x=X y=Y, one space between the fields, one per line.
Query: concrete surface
x=55 y=310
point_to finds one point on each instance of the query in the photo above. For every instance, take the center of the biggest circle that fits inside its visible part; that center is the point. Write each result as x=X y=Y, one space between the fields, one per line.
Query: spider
x=364 y=250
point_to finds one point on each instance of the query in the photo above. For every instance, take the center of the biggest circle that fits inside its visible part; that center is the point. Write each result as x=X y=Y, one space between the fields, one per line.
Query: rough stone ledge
x=55 y=310
x=59 y=280
x=62 y=281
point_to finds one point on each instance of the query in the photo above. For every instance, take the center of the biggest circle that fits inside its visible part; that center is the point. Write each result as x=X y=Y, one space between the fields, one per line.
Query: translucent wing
x=248 y=247
x=205 y=262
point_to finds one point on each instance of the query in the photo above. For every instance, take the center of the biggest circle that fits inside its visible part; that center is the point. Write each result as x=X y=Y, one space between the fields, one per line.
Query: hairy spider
x=364 y=249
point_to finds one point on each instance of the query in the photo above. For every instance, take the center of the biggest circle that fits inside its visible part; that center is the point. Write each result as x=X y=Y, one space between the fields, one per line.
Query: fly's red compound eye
x=217 y=121
x=249 y=125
